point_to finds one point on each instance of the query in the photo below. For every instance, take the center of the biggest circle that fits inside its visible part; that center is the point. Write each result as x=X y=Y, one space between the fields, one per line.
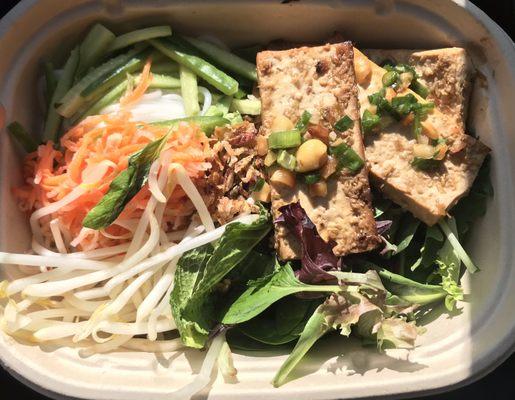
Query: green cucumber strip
x=219 y=79
x=93 y=48
x=189 y=91
x=50 y=82
x=73 y=99
x=117 y=75
x=225 y=58
x=246 y=106
x=166 y=67
x=23 y=138
x=206 y=124
x=140 y=35
x=53 y=119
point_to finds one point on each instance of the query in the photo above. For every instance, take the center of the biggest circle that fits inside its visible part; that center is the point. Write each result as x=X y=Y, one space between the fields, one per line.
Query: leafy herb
x=282 y=323
x=315 y=328
x=474 y=204
x=369 y=121
x=343 y=124
x=303 y=123
x=317 y=255
x=264 y=292
x=362 y=303
x=201 y=270
x=347 y=158
x=124 y=187
x=426 y=164
x=450 y=231
x=406 y=232
x=429 y=251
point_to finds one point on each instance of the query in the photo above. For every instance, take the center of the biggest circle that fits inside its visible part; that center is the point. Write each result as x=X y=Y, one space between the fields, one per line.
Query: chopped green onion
x=419 y=88
x=303 y=122
x=258 y=185
x=369 y=121
x=246 y=106
x=284 y=139
x=389 y=78
x=139 y=35
x=25 y=140
x=347 y=158
x=286 y=160
x=425 y=164
x=311 y=178
x=189 y=91
x=343 y=124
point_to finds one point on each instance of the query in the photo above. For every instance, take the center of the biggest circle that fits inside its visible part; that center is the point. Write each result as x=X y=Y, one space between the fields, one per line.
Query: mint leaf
x=199 y=272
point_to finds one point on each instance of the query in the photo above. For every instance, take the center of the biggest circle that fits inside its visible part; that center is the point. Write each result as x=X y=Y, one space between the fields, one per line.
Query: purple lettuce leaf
x=317 y=254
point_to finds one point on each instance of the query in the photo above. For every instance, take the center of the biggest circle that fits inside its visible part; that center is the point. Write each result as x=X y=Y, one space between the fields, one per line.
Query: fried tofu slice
x=319 y=80
x=447 y=73
x=427 y=195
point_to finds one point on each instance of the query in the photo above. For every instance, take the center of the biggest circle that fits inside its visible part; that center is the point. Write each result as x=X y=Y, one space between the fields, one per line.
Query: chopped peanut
x=329 y=168
x=282 y=177
x=281 y=123
x=362 y=69
x=423 y=151
x=261 y=145
x=263 y=194
x=318 y=189
x=311 y=155
x=429 y=130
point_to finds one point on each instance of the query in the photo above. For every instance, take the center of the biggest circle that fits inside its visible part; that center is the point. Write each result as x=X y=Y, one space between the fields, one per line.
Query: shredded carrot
x=102 y=145
x=141 y=88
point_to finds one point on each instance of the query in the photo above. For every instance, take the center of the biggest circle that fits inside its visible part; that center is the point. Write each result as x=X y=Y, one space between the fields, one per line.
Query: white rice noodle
x=203 y=378
x=58 y=238
x=192 y=192
x=152 y=107
x=207 y=99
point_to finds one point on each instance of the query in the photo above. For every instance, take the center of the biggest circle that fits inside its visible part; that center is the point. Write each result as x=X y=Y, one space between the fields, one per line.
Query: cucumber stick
x=206 y=124
x=53 y=119
x=73 y=99
x=215 y=77
x=23 y=138
x=225 y=58
x=139 y=35
x=158 y=81
x=93 y=48
x=189 y=91
x=50 y=82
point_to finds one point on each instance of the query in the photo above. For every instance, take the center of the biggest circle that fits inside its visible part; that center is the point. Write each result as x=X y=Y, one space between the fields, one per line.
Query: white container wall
x=454 y=350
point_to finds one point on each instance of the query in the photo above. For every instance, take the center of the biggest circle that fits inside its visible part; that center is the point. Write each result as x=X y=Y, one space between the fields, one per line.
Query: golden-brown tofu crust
x=319 y=80
x=427 y=195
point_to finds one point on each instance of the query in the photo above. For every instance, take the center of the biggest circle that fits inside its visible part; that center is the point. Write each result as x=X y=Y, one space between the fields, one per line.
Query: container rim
x=499 y=354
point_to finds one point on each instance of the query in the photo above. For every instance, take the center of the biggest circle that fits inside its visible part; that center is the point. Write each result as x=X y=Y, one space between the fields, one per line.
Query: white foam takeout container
x=455 y=350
